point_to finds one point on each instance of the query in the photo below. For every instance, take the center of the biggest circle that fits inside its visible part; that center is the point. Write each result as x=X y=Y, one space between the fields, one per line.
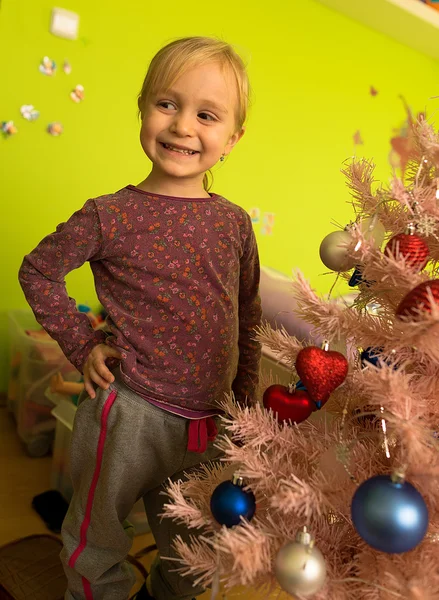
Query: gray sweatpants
x=123 y=448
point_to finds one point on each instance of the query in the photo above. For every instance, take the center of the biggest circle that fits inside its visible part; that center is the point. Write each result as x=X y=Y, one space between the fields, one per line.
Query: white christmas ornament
x=373 y=231
x=300 y=567
x=334 y=253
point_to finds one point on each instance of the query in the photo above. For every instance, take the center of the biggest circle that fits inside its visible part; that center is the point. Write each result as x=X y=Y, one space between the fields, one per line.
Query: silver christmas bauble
x=333 y=251
x=300 y=567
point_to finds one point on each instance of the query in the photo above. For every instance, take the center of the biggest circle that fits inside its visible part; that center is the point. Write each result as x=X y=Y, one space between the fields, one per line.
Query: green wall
x=310 y=68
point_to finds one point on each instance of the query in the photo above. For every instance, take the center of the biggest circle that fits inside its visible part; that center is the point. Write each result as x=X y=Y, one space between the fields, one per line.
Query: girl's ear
x=140 y=105
x=235 y=139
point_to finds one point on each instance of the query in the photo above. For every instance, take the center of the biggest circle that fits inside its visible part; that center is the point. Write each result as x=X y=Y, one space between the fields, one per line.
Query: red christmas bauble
x=411 y=247
x=418 y=300
x=295 y=406
x=321 y=371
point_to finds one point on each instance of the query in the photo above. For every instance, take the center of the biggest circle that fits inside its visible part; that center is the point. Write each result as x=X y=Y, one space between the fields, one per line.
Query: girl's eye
x=203 y=115
x=165 y=103
x=207 y=115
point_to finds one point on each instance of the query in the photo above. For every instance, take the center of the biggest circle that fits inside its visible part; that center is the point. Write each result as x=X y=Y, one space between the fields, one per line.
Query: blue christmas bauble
x=371 y=355
x=391 y=516
x=229 y=502
x=356 y=278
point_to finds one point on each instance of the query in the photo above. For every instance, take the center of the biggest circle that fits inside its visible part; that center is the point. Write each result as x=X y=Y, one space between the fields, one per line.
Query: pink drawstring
x=200 y=432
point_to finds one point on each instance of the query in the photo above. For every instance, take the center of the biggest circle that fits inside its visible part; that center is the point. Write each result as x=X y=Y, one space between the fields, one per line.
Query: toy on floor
x=58 y=385
x=96 y=320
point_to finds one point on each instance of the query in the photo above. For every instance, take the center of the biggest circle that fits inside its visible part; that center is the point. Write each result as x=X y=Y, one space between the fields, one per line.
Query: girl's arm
x=42 y=275
x=250 y=314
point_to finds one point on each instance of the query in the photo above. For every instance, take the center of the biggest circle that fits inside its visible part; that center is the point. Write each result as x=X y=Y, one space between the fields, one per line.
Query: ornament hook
x=237 y=480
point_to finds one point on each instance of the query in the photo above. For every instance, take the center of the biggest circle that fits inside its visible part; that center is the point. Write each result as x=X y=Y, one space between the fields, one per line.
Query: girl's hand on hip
x=95 y=369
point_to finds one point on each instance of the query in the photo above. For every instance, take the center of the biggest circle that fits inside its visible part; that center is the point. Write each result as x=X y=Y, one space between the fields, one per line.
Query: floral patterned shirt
x=179 y=280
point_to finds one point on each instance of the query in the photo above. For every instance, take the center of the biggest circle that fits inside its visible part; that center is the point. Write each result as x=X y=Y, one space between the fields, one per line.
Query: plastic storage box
x=64 y=414
x=34 y=359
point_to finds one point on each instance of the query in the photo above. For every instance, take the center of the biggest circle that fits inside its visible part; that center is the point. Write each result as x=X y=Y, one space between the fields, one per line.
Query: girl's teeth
x=178 y=150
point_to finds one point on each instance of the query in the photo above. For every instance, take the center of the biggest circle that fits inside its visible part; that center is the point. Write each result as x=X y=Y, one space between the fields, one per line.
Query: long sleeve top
x=179 y=280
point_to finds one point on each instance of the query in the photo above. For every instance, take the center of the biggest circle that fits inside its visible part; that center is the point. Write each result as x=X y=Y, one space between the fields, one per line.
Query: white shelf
x=408 y=21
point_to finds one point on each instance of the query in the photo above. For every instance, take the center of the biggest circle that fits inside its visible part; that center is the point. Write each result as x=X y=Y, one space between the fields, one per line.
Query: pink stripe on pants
x=87 y=517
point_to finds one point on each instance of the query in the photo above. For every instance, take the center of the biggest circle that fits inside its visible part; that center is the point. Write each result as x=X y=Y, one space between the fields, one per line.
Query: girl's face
x=197 y=114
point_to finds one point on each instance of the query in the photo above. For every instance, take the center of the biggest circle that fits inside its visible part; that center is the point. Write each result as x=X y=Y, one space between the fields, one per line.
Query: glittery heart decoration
x=295 y=406
x=418 y=301
x=322 y=371
x=411 y=247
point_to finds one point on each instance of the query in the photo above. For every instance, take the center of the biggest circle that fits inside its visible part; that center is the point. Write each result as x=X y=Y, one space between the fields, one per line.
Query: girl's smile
x=176 y=150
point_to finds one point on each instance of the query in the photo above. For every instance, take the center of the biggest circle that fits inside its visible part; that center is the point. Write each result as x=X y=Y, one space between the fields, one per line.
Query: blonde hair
x=179 y=56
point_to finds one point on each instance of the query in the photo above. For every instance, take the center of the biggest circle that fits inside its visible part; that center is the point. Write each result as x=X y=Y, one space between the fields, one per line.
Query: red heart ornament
x=321 y=371
x=287 y=405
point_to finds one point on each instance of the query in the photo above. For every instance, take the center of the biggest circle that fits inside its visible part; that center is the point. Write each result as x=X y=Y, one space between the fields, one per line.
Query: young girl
x=176 y=269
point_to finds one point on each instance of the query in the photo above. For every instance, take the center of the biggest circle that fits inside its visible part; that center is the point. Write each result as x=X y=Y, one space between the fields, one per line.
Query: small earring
x=222 y=157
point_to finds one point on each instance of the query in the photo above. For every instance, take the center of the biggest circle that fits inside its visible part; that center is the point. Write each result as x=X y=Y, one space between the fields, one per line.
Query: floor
x=26 y=477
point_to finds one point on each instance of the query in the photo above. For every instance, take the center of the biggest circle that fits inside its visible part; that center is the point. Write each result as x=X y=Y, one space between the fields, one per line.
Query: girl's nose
x=182 y=124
